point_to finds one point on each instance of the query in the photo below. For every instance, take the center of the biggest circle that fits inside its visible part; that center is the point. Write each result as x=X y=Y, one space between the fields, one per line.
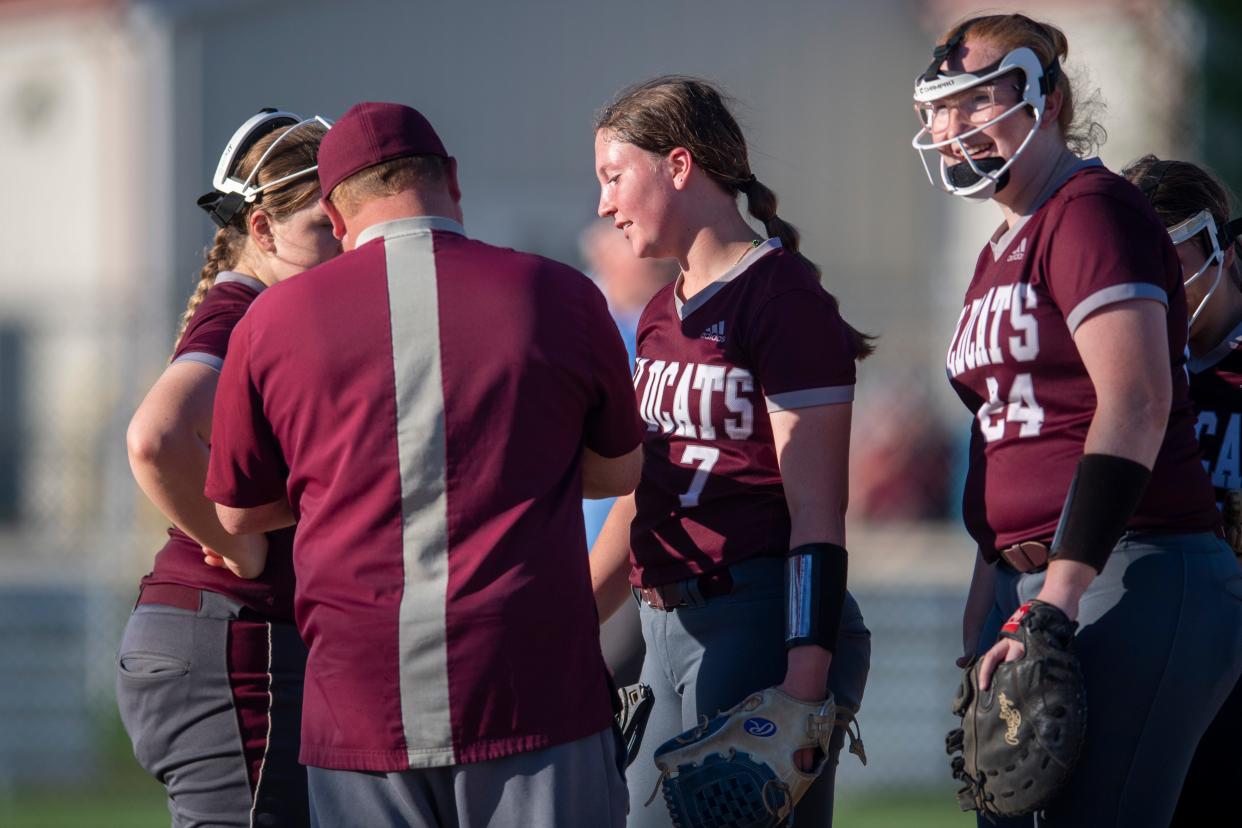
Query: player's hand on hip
x=246 y=557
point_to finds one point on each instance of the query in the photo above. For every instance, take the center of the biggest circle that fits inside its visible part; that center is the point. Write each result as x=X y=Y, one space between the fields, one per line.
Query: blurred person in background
x=628 y=283
x=209 y=673
x=900 y=467
x=1194 y=206
x=1085 y=489
x=745 y=378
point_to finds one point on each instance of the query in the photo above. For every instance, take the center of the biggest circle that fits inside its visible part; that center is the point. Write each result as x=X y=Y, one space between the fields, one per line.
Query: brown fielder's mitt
x=1020 y=739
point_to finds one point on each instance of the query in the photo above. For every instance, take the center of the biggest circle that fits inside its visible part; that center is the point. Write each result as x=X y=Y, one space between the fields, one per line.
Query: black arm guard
x=814 y=594
x=1102 y=497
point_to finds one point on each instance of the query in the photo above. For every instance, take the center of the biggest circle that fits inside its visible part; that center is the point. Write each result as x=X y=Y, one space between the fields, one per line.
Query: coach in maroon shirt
x=431 y=410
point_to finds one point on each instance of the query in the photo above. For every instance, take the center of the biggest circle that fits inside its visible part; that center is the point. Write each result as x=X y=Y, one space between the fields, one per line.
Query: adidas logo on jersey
x=714 y=332
x=1019 y=254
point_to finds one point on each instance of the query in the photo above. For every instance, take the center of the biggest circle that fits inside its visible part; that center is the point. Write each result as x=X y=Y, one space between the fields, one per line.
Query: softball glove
x=1019 y=740
x=737 y=770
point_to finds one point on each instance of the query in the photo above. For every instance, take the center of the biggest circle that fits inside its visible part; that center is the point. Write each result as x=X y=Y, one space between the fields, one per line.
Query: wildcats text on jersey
x=694 y=388
x=977 y=340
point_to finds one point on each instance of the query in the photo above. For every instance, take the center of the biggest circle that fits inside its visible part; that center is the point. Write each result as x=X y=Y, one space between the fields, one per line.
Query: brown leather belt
x=1028 y=556
x=692 y=592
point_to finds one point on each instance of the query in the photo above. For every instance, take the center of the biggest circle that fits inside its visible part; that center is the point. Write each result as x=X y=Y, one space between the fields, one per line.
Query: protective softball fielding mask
x=230 y=192
x=1202 y=222
x=978 y=179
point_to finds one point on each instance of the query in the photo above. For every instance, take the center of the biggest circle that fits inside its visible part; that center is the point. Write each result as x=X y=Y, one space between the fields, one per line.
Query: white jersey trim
x=1223 y=349
x=210 y=360
x=1111 y=296
x=241 y=279
x=1007 y=237
x=406 y=226
x=699 y=299
x=810 y=397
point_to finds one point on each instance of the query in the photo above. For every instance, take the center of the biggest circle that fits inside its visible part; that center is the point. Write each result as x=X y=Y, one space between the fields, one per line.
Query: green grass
x=96 y=808
x=121 y=796
x=145 y=809
x=125 y=797
x=899 y=809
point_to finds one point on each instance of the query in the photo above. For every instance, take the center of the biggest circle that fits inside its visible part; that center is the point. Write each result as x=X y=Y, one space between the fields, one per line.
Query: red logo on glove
x=1011 y=626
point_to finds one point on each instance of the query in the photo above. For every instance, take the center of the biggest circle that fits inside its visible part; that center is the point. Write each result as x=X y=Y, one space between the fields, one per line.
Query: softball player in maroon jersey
x=744 y=377
x=209 y=673
x=1195 y=208
x=1085 y=488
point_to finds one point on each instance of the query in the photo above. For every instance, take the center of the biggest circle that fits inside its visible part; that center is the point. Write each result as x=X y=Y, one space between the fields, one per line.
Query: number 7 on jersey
x=704 y=457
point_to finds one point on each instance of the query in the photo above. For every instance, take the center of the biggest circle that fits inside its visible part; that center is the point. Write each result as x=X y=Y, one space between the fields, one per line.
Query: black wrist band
x=1102 y=497
x=814 y=594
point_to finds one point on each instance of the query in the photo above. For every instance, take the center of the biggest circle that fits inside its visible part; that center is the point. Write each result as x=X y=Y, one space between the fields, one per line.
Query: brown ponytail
x=223 y=254
x=679 y=111
x=761 y=202
x=298 y=152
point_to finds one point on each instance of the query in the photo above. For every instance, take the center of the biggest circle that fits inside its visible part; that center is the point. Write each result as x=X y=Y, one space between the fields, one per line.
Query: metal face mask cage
x=933 y=86
x=1188 y=230
x=230 y=193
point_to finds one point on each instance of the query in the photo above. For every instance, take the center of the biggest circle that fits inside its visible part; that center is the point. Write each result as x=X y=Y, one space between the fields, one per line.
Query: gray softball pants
x=573 y=785
x=197 y=694
x=1160 y=641
x=707 y=658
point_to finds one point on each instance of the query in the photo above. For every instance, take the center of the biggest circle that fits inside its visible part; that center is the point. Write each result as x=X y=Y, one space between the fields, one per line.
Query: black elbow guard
x=814 y=594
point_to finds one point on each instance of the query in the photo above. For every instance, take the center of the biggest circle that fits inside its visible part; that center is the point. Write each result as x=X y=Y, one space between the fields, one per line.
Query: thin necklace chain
x=681 y=274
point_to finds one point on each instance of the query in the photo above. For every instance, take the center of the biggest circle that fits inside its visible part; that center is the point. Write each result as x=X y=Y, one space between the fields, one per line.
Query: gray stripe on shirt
x=1111 y=296
x=808 y=397
x=210 y=360
x=421 y=634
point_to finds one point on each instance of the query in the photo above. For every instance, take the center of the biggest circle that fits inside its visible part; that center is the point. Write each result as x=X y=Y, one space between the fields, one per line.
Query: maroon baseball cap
x=371 y=133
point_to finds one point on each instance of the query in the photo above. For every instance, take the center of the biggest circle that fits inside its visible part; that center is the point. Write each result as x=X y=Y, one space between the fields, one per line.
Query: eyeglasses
x=975 y=105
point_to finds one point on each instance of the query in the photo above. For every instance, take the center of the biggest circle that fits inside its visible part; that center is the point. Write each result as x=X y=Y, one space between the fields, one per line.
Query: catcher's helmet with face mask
x=229 y=192
x=978 y=178
x=1202 y=225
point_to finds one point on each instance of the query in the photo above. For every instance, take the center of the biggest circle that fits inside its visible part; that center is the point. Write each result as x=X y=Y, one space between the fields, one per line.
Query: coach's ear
x=450 y=176
x=334 y=215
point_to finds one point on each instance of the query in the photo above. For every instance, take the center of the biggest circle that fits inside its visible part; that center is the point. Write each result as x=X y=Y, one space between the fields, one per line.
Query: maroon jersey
x=1093 y=241
x=1216 y=389
x=764 y=337
x=423 y=401
x=205 y=341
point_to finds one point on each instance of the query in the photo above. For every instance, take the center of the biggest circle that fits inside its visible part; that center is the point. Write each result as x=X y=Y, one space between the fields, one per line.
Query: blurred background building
x=112 y=114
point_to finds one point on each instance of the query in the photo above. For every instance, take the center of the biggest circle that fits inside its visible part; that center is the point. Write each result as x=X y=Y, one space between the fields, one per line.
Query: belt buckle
x=1027 y=556
x=664 y=597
